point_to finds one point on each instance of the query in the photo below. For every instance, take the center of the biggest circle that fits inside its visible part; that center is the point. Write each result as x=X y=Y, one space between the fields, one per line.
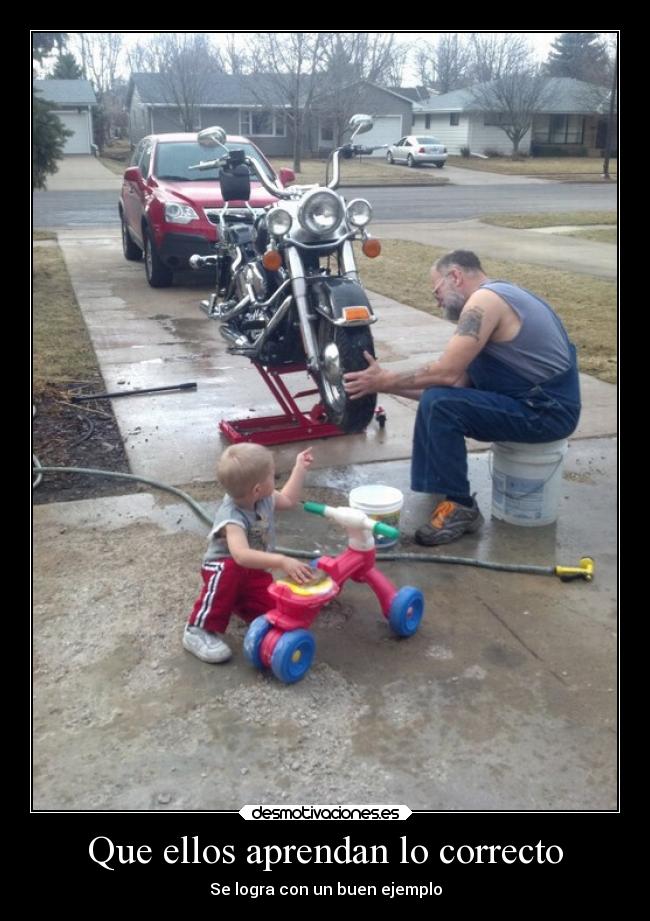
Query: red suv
x=167 y=211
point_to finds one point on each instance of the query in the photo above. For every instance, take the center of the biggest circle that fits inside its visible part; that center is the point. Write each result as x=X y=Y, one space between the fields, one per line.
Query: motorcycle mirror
x=212 y=137
x=360 y=124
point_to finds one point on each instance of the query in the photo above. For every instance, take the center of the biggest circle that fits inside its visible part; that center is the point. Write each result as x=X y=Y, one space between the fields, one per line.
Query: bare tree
x=101 y=57
x=186 y=64
x=287 y=64
x=234 y=59
x=349 y=59
x=101 y=54
x=514 y=98
x=494 y=56
x=138 y=58
x=444 y=64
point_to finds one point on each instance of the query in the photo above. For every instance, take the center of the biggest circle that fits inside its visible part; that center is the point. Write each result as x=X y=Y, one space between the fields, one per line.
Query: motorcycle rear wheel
x=341 y=350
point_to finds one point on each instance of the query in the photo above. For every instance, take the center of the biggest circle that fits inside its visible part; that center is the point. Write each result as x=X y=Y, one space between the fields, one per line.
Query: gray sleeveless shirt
x=540 y=350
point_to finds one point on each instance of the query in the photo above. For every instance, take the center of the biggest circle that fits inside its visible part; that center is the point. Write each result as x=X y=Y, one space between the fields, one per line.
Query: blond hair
x=243 y=466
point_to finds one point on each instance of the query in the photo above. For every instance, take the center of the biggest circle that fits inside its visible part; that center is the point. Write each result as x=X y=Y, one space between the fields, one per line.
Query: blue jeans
x=502 y=406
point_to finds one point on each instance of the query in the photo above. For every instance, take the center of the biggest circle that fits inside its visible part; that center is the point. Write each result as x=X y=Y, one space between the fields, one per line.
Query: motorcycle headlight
x=359 y=212
x=320 y=211
x=175 y=213
x=278 y=222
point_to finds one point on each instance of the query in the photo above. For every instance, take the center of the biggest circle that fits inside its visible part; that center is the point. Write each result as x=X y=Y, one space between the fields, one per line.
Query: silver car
x=415 y=149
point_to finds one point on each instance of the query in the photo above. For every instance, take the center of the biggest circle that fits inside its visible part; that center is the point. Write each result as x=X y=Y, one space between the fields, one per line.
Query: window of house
x=566 y=129
x=454 y=118
x=559 y=129
x=263 y=123
x=327 y=130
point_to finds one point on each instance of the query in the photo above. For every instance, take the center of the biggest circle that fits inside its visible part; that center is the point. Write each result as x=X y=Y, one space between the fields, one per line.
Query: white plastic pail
x=383 y=503
x=526 y=481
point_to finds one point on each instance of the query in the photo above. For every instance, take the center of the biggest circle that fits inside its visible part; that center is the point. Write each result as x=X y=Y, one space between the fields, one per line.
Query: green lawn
x=586 y=305
x=364 y=171
x=578 y=168
x=551 y=219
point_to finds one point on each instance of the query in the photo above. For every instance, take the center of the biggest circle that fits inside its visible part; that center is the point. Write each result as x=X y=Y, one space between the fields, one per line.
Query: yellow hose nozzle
x=584 y=571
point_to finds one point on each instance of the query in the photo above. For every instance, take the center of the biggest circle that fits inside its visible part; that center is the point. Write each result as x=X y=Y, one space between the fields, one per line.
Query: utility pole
x=610 y=120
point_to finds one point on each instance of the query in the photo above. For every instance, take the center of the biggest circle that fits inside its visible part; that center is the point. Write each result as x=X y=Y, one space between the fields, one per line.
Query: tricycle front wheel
x=253 y=640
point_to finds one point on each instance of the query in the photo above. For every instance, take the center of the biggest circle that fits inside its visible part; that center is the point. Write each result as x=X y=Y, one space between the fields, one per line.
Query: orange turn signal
x=272 y=260
x=355 y=313
x=371 y=247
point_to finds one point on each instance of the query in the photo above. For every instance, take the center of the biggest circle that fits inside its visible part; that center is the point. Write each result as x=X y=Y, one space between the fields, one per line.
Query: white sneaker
x=209 y=647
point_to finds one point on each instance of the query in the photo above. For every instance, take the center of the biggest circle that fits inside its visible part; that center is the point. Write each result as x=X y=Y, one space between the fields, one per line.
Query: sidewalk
x=504 y=699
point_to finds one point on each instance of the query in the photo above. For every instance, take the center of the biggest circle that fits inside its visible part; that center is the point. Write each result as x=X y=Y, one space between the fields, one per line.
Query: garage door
x=386 y=130
x=77 y=123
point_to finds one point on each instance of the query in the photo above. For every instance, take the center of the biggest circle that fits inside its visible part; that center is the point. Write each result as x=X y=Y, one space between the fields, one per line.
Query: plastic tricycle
x=280 y=640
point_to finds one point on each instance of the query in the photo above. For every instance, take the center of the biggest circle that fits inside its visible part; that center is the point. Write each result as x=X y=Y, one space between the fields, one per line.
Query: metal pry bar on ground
x=130 y=393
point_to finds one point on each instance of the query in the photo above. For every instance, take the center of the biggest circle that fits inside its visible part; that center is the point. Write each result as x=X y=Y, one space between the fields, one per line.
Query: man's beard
x=453 y=306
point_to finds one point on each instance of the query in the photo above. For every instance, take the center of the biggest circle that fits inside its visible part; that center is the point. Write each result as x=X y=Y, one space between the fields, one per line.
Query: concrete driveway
x=504 y=699
x=82 y=173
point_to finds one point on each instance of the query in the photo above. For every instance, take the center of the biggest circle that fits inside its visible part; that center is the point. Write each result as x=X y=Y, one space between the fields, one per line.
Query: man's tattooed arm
x=469 y=323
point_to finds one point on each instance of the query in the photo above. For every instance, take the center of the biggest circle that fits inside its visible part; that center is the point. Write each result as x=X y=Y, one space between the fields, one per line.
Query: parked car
x=167 y=211
x=415 y=149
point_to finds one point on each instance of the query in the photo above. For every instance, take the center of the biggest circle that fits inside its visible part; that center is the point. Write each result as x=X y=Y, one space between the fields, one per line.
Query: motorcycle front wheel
x=340 y=349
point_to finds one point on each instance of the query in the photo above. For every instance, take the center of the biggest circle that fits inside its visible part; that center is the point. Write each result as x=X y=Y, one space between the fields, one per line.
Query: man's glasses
x=436 y=287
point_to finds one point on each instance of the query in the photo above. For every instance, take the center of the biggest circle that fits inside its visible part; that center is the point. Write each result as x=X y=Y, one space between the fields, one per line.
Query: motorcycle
x=287 y=286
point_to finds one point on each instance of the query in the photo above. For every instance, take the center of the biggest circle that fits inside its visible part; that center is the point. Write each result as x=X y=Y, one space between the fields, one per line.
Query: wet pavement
x=504 y=699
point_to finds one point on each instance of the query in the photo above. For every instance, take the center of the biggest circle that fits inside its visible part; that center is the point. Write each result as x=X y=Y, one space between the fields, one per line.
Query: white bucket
x=383 y=503
x=526 y=481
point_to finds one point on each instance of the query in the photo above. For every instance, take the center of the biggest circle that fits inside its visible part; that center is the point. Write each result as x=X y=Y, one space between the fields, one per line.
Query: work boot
x=449 y=521
x=209 y=647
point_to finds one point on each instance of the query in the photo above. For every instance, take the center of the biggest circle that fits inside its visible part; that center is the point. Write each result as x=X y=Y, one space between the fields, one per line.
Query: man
x=509 y=373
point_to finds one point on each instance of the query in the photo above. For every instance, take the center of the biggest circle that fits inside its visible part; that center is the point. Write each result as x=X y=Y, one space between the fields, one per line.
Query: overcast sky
x=541 y=42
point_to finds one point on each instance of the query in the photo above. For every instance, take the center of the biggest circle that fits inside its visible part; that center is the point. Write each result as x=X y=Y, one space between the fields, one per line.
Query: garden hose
x=585 y=569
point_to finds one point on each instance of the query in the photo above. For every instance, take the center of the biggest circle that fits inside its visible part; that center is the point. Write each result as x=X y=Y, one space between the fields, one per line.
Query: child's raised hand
x=296 y=570
x=305 y=459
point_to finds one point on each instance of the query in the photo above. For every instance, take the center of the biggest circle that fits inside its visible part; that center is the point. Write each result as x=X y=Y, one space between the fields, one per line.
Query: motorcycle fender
x=336 y=298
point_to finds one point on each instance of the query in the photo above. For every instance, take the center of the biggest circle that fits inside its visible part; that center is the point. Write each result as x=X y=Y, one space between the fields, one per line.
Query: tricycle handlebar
x=352 y=518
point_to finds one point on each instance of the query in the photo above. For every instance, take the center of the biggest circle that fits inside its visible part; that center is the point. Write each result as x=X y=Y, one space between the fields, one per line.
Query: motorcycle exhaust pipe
x=232 y=338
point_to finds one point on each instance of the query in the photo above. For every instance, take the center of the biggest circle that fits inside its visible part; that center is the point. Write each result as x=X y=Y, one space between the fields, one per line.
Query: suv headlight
x=175 y=213
x=320 y=211
x=359 y=212
x=278 y=221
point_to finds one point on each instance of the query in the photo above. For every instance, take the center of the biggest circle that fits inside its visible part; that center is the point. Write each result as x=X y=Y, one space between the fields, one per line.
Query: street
x=396 y=203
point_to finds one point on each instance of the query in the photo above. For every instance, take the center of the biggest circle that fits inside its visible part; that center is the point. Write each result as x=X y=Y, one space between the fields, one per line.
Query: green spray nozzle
x=385 y=530
x=316 y=508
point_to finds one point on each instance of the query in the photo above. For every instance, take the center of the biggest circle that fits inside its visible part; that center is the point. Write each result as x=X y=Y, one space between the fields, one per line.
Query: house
x=236 y=103
x=73 y=100
x=231 y=101
x=574 y=119
x=392 y=111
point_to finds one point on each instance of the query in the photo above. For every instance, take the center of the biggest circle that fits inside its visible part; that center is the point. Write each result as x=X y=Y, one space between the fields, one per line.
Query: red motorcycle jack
x=292 y=425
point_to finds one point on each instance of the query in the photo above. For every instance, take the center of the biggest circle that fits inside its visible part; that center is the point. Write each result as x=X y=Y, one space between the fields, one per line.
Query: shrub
x=552 y=150
x=492 y=152
x=465 y=152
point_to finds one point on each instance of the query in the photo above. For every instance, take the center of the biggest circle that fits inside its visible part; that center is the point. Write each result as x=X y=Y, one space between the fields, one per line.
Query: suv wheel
x=410 y=161
x=132 y=251
x=158 y=275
